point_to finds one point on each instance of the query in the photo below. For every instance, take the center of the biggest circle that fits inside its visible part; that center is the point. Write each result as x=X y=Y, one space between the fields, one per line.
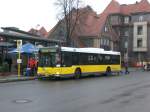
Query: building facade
x=119 y=27
x=131 y=24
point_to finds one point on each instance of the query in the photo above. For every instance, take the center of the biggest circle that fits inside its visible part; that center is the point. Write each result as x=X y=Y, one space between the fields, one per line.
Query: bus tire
x=77 y=73
x=108 y=71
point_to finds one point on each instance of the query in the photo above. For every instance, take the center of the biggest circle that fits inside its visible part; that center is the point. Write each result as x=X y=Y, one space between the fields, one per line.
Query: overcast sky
x=26 y=14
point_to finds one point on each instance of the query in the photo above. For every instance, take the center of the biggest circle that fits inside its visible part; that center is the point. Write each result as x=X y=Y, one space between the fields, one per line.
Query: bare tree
x=69 y=14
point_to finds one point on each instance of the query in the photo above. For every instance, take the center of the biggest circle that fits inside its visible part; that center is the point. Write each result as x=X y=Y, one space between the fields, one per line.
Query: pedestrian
x=32 y=64
x=126 y=68
x=9 y=61
x=145 y=67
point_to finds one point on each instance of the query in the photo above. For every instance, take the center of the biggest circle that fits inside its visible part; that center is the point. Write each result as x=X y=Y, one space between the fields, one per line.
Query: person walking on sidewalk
x=144 y=67
x=126 y=68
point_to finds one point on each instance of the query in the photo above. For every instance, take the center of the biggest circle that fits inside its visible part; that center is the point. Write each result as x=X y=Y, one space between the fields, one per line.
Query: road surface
x=125 y=93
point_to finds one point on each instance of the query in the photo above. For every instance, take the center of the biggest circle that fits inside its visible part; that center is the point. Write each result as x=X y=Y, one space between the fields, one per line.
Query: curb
x=17 y=79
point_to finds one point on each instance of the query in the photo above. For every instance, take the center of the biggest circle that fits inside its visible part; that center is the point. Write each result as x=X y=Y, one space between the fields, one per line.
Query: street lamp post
x=19 y=61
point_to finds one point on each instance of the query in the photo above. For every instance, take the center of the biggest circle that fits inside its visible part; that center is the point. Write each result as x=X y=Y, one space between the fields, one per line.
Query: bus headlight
x=57 y=73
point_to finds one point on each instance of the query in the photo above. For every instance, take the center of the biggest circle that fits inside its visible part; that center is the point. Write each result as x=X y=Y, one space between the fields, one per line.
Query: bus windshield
x=47 y=59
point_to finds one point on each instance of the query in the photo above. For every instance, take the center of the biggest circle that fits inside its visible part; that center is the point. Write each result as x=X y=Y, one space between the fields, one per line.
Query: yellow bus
x=77 y=62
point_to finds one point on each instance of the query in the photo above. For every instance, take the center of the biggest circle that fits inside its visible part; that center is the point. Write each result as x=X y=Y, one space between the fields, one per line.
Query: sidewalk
x=15 y=78
x=134 y=69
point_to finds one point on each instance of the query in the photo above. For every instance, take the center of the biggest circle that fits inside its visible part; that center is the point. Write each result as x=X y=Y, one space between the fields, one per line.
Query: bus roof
x=89 y=50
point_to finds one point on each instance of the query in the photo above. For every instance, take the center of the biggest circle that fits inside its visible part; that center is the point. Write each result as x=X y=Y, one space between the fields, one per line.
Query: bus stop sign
x=19 y=44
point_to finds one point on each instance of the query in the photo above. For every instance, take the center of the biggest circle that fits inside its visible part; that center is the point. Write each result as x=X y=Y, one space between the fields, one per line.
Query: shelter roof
x=29 y=37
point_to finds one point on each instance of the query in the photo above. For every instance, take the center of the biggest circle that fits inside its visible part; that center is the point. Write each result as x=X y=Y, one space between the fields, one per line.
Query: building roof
x=127 y=9
x=89 y=24
x=96 y=22
x=142 y=6
x=40 y=32
x=43 y=32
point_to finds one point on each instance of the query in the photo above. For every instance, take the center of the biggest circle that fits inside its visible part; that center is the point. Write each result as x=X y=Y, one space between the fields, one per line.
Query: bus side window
x=92 y=59
x=83 y=58
x=75 y=58
x=113 y=60
x=66 y=59
x=100 y=59
x=117 y=59
x=107 y=59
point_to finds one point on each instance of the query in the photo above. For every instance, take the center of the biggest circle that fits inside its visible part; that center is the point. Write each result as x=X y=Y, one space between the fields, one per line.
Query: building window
x=101 y=41
x=1 y=39
x=107 y=43
x=126 y=20
x=126 y=33
x=104 y=41
x=139 y=43
x=88 y=42
x=141 y=18
x=105 y=29
x=126 y=44
x=140 y=30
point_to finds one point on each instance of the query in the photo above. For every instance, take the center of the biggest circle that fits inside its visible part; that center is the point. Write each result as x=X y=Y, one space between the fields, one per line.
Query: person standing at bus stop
x=9 y=61
x=32 y=64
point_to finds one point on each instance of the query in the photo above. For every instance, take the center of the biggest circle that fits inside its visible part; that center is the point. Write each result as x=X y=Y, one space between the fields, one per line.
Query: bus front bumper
x=55 y=75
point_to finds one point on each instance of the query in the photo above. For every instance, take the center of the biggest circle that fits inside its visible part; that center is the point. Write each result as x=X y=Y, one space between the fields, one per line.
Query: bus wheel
x=108 y=71
x=77 y=74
